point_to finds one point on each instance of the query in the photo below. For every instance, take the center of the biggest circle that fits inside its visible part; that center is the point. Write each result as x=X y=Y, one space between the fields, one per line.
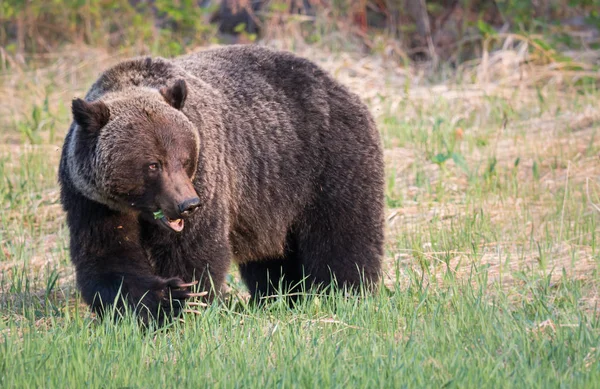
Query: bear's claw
x=186 y=285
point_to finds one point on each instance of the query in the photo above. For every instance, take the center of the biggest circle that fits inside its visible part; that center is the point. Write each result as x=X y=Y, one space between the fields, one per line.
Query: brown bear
x=174 y=168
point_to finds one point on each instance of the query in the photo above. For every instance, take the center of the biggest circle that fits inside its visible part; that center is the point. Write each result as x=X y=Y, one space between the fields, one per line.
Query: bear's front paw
x=161 y=298
x=152 y=298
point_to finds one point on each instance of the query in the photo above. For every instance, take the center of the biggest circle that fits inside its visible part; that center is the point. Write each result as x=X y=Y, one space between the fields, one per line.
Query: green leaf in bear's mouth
x=159 y=214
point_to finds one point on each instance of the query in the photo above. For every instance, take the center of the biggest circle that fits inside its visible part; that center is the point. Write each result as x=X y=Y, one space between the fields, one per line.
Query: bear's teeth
x=176 y=224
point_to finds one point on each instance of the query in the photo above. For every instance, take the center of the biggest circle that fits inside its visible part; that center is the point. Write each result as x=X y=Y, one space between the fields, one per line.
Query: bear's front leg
x=148 y=296
x=201 y=252
x=111 y=266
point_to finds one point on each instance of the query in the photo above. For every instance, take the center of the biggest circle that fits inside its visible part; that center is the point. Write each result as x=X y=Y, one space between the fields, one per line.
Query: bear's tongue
x=176 y=225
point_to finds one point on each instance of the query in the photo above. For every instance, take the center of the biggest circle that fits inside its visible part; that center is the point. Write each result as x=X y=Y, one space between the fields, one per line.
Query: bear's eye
x=153 y=167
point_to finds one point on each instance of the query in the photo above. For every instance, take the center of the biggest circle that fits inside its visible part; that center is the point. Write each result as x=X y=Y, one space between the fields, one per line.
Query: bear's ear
x=175 y=94
x=90 y=116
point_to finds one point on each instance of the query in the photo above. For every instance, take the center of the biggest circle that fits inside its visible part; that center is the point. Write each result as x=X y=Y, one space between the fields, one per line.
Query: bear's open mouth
x=174 y=224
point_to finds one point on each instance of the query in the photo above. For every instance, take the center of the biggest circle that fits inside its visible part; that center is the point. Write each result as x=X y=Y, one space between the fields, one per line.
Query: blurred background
x=449 y=31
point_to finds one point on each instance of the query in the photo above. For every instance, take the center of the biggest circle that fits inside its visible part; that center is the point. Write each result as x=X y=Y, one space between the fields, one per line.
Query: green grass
x=414 y=337
x=491 y=270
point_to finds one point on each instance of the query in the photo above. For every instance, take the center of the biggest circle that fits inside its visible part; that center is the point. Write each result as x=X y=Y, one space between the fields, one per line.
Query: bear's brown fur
x=259 y=155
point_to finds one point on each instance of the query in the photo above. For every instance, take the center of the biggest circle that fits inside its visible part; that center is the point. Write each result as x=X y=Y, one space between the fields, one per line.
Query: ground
x=491 y=271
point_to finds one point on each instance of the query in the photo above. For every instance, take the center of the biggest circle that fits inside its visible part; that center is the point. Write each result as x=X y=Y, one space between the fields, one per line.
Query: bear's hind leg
x=268 y=277
x=342 y=242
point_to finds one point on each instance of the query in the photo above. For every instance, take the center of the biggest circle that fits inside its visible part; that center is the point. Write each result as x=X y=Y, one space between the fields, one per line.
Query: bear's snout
x=188 y=207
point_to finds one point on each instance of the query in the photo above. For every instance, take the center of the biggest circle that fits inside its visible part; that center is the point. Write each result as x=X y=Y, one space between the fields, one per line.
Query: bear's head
x=136 y=152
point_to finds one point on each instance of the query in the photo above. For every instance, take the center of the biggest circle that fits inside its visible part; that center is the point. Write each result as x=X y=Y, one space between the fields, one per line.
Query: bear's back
x=241 y=61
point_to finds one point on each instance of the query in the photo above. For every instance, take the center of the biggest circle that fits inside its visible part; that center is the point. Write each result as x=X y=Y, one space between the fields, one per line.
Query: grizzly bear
x=172 y=169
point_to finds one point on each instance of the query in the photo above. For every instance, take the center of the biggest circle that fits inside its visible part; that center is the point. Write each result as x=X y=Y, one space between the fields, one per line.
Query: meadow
x=491 y=268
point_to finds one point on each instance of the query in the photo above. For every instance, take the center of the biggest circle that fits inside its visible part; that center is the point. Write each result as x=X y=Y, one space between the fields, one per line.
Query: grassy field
x=491 y=273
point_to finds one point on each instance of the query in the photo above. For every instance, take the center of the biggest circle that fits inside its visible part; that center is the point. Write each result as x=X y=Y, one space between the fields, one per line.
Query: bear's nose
x=189 y=206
